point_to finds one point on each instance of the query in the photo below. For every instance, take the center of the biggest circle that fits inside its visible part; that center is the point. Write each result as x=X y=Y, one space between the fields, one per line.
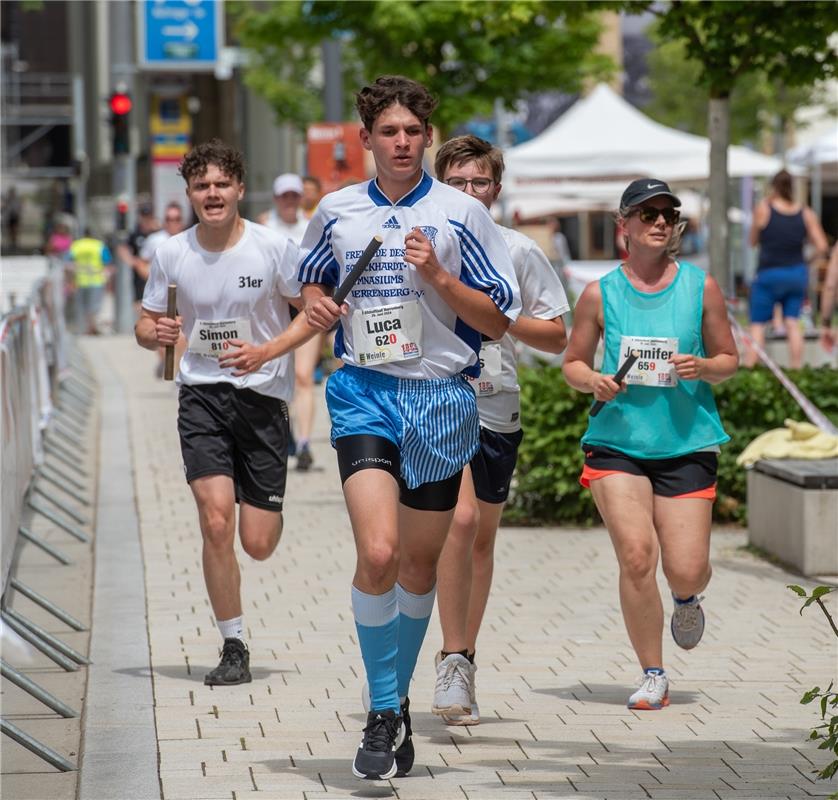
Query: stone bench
x=793 y=512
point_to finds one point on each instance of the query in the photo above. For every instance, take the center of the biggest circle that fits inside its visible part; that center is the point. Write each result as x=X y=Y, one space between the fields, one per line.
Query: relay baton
x=171 y=312
x=349 y=281
x=618 y=379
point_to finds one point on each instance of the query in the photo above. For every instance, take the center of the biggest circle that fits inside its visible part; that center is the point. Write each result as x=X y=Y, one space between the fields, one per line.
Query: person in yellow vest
x=90 y=261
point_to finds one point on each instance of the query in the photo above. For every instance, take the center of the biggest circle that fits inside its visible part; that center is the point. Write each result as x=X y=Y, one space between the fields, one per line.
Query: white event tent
x=600 y=138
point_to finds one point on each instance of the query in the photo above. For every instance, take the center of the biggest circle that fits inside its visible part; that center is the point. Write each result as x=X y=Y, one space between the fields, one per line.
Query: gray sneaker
x=687 y=623
x=451 y=694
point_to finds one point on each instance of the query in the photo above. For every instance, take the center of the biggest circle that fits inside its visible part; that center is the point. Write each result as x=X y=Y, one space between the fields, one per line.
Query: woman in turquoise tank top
x=650 y=455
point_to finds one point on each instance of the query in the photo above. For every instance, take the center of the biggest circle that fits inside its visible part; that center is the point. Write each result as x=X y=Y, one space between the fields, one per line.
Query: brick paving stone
x=554 y=664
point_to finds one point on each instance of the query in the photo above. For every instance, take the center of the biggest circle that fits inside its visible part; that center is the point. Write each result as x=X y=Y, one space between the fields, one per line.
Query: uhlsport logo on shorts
x=275 y=498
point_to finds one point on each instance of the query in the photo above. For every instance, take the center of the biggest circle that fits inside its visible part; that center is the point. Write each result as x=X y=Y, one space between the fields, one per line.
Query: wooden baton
x=618 y=379
x=171 y=312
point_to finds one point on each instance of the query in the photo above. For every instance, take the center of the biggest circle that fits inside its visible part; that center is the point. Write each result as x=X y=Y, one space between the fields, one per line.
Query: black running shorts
x=236 y=432
x=494 y=463
x=691 y=475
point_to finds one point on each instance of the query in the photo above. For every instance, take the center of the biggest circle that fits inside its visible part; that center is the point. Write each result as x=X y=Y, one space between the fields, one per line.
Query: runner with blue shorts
x=404 y=420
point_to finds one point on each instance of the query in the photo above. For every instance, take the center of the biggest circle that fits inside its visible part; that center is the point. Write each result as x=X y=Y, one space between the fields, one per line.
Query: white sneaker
x=451 y=693
x=465 y=719
x=653 y=693
x=687 y=623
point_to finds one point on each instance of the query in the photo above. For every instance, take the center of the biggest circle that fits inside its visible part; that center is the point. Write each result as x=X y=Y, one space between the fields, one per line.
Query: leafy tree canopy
x=786 y=42
x=467 y=52
x=680 y=101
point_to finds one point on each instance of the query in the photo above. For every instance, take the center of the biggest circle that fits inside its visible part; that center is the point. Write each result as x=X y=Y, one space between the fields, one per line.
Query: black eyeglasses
x=173 y=219
x=478 y=185
x=649 y=215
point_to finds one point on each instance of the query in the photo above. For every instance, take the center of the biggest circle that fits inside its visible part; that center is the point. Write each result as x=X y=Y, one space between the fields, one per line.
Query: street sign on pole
x=180 y=34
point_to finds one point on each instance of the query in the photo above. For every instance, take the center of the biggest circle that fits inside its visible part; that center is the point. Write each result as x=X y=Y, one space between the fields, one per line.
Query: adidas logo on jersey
x=391 y=223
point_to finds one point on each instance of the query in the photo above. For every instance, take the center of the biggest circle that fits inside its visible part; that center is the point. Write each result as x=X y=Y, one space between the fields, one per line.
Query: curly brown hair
x=196 y=162
x=390 y=89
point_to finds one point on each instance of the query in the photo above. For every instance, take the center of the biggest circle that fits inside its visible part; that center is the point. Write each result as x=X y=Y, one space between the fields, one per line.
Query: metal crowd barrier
x=40 y=417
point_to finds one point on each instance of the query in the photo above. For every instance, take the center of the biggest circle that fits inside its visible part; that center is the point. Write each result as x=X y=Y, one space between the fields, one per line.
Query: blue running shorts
x=433 y=422
x=786 y=285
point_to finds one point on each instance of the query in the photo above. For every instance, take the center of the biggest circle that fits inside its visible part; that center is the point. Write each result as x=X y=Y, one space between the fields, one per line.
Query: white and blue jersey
x=426 y=337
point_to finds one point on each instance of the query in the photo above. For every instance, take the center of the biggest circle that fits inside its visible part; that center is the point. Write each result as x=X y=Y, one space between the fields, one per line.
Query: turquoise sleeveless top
x=652 y=421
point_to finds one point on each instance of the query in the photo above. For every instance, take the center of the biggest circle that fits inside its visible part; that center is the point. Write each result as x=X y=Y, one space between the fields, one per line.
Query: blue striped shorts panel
x=434 y=423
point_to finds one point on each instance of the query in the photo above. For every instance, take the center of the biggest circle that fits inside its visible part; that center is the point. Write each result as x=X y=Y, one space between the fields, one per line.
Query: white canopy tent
x=604 y=137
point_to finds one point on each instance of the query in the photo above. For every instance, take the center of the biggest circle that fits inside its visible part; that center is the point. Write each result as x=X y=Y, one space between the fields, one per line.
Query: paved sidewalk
x=555 y=667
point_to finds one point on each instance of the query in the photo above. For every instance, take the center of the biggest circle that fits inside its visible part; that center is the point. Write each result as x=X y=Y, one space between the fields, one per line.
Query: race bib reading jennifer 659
x=652 y=367
x=387 y=333
x=211 y=337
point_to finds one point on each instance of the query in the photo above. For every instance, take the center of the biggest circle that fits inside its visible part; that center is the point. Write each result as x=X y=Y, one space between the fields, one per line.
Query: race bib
x=211 y=337
x=489 y=381
x=387 y=333
x=652 y=367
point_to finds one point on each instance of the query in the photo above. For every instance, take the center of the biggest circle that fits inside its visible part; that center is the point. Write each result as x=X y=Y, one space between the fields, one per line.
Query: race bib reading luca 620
x=211 y=337
x=387 y=333
x=652 y=367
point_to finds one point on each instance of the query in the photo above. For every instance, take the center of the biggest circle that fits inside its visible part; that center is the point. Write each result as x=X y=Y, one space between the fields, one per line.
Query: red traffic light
x=121 y=103
x=122 y=206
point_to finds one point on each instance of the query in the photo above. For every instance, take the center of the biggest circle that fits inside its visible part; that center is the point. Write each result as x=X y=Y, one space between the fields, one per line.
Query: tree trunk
x=718 y=126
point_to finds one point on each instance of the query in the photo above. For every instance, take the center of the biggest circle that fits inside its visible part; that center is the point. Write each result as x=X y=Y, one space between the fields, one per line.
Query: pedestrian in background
x=89 y=260
x=287 y=217
x=781 y=227
x=129 y=251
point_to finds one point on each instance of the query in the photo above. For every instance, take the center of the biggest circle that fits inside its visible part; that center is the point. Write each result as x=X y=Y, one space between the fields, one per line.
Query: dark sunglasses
x=649 y=215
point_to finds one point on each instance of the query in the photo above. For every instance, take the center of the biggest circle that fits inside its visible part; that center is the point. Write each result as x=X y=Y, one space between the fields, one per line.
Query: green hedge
x=547 y=490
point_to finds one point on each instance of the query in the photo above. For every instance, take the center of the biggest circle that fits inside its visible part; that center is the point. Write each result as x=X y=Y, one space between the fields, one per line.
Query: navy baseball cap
x=644 y=189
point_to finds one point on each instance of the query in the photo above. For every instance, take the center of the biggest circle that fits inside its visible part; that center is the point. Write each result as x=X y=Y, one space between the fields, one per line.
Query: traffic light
x=121 y=104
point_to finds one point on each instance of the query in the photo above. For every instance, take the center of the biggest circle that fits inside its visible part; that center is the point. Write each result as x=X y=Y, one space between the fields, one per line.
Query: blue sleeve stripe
x=475 y=258
x=475 y=277
x=318 y=259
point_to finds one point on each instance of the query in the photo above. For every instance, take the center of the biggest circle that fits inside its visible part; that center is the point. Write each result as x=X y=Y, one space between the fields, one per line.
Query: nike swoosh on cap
x=653 y=185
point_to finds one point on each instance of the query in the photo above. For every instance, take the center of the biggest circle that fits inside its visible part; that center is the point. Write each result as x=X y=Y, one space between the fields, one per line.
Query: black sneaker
x=405 y=753
x=304 y=459
x=376 y=756
x=234 y=666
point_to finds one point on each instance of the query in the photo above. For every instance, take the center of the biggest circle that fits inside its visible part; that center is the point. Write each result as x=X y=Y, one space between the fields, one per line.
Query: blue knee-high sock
x=377 y=623
x=414 y=614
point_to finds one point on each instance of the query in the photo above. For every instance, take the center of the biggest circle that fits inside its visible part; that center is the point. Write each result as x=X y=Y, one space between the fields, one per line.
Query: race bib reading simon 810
x=211 y=337
x=652 y=367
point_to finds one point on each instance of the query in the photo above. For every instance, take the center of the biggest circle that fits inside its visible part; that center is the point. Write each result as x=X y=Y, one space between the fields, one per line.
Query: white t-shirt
x=247 y=286
x=542 y=297
x=390 y=299
x=294 y=231
x=152 y=242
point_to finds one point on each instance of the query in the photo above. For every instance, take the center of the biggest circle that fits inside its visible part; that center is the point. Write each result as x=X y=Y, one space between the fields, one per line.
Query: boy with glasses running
x=475 y=167
x=404 y=420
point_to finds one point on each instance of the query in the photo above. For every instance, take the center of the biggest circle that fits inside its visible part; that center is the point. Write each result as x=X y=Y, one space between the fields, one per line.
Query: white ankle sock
x=231 y=628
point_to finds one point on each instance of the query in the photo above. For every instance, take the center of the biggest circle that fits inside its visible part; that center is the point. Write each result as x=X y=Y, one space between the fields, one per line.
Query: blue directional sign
x=180 y=34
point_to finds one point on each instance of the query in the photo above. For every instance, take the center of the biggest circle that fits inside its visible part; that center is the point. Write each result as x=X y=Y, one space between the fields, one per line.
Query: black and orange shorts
x=690 y=475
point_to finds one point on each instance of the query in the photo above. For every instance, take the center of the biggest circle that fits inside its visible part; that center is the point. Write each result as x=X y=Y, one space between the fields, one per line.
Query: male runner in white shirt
x=474 y=166
x=234 y=280
x=404 y=420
